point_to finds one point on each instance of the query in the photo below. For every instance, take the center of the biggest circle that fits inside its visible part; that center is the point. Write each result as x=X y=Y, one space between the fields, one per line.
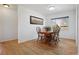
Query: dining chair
x=40 y=36
x=56 y=30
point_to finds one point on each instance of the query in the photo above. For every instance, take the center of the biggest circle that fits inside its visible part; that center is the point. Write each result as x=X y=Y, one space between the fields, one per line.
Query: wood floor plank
x=32 y=47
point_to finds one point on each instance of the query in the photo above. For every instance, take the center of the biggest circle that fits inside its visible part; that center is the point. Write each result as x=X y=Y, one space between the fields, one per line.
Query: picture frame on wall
x=36 y=20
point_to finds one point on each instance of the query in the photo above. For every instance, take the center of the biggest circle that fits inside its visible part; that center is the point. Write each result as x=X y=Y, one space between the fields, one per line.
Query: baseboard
x=7 y=40
x=22 y=41
x=67 y=38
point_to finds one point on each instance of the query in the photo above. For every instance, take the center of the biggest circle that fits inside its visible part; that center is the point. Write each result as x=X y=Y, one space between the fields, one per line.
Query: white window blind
x=61 y=21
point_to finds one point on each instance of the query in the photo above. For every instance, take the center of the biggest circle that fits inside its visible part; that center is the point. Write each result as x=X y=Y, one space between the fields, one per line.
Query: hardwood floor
x=64 y=47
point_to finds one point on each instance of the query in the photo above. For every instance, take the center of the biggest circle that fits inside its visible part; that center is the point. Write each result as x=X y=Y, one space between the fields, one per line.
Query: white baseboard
x=67 y=38
x=7 y=40
x=24 y=40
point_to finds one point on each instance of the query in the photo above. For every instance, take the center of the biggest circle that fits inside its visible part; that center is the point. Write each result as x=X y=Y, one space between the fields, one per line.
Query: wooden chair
x=40 y=36
x=55 y=36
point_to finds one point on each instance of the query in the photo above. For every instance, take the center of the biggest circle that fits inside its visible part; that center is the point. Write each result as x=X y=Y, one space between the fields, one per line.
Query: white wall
x=27 y=31
x=1 y=27
x=78 y=28
x=70 y=33
x=8 y=23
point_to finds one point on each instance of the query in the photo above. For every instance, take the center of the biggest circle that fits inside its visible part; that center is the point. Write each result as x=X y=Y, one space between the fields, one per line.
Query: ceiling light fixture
x=51 y=8
x=5 y=5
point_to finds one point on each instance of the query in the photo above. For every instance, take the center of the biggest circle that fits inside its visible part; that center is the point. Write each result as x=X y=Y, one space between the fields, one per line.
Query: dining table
x=48 y=35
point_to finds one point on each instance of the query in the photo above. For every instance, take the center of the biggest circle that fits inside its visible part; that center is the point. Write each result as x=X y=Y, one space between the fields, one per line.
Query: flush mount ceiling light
x=5 y=5
x=51 y=8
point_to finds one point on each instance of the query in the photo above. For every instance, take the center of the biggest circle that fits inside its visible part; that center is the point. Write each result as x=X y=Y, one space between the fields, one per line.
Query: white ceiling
x=43 y=8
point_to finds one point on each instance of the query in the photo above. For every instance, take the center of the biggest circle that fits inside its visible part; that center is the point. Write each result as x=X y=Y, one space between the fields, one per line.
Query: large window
x=62 y=22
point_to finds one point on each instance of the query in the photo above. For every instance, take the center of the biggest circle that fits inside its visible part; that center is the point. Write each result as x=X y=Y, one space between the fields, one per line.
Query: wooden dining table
x=48 y=35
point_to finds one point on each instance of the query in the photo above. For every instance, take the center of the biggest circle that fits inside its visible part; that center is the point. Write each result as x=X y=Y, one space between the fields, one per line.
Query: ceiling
x=43 y=8
x=12 y=6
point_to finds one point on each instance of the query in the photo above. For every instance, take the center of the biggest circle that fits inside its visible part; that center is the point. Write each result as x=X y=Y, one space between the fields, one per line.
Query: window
x=61 y=21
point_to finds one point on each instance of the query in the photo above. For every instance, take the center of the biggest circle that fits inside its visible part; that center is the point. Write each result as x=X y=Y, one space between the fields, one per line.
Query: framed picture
x=36 y=20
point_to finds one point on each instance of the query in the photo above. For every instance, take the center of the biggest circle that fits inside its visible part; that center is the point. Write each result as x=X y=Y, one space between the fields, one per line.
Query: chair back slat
x=56 y=30
x=38 y=29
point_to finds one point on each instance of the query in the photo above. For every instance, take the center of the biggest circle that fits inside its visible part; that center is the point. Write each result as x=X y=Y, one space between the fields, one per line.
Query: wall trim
x=66 y=38
x=23 y=40
x=7 y=40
